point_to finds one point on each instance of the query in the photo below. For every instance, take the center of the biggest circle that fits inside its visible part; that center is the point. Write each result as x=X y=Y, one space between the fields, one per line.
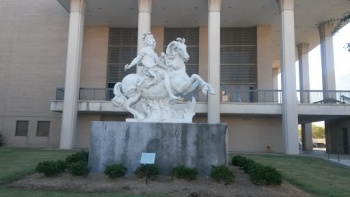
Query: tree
x=318 y=131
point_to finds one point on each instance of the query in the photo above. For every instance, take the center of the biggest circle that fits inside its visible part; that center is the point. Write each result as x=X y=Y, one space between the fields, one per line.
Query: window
x=22 y=128
x=238 y=57
x=122 y=49
x=43 y=129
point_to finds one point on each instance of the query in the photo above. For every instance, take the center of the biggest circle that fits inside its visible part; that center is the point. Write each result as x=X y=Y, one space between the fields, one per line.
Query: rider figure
x=151 y=72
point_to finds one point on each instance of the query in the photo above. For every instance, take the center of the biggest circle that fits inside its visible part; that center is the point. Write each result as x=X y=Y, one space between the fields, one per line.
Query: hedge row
x=259 y=174
x=77 y=164
x=218 y=173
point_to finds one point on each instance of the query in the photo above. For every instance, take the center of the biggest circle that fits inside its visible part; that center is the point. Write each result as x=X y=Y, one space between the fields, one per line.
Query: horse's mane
x=170 y=53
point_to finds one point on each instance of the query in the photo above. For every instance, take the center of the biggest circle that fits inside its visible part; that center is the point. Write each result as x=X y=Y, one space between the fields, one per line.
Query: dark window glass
x=22 y=128
x=43 y=129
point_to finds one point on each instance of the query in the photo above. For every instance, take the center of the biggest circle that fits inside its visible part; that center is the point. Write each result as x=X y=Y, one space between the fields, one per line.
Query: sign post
x=147 y=158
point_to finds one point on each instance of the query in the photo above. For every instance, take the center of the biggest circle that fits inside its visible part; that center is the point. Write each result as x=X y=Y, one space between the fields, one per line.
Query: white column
x=72 y=83
x=275 y=72
x=288 y=77
x=214 y=59
x=144 y=23
x=264 y=57
x=327 y=56
x=306 y=137
x=304 y=79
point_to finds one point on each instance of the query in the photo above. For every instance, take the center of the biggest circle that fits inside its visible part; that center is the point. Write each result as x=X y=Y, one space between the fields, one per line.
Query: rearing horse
x=128 y=92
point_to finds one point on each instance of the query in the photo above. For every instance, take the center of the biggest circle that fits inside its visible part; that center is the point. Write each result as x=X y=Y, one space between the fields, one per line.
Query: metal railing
x=324 y=96
x=96 y=94
x=235 y=96
x=251 y=96
x=339 y=151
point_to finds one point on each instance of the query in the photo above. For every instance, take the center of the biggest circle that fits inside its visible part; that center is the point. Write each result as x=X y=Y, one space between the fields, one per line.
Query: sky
x=341 y=62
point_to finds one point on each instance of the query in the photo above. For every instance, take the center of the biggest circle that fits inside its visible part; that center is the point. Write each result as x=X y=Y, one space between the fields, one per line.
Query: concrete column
x=288 y=77
x=327 y=56
x=329 y=147
x=72 y=83
x=214 y=59
x=158 y=34
x=144 y=24
x=304 y=79
x=275 y=72
x=306 y=137
x=264 y=57
x=203 y=53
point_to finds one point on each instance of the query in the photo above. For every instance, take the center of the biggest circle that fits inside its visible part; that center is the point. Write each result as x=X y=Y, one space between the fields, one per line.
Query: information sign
x=148 y=158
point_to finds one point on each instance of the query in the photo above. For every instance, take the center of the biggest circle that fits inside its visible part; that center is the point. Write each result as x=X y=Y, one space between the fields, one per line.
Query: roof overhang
x=234 y=13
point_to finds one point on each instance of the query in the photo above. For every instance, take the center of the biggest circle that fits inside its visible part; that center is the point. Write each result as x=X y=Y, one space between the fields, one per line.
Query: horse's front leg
x=189 y=85
x=206 y=87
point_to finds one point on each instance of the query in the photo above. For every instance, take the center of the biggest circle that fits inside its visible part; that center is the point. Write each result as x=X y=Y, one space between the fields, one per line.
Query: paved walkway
x=321 y=153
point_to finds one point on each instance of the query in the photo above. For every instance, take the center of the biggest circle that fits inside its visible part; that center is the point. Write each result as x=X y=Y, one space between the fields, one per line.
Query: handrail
x=252 y=96
x=324 y=96
x=338 y=150
x=345 y=99
x=232 y=96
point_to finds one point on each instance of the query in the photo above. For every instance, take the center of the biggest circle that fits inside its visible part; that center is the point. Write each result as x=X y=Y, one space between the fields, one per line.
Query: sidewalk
x=321 y=153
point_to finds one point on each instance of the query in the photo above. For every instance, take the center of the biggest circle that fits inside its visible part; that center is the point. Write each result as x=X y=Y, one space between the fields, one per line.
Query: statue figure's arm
x=161 y=62
x=135 y=61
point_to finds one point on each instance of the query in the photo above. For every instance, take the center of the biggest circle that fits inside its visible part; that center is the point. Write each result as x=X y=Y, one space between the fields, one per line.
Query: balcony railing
x=251 y=96
x=239 y=96
x=324 y=97
x=96 y=94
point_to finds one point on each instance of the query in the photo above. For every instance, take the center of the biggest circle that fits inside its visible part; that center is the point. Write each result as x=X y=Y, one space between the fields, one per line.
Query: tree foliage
x=317 y=131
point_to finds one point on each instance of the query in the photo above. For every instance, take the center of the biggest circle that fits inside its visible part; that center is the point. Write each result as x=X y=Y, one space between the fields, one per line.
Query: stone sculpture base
x=192 y=145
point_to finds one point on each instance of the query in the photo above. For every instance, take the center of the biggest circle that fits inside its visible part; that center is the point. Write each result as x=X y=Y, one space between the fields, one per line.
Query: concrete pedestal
x=192 y=145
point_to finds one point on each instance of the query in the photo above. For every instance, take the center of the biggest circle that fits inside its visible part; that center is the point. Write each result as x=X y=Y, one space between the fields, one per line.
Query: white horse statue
x=155 y=98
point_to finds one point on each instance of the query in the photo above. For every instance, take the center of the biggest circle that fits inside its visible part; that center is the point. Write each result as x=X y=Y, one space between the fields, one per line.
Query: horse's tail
x=119 y=98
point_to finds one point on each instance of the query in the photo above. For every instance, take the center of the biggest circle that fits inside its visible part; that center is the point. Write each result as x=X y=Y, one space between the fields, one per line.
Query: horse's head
x=179 y=48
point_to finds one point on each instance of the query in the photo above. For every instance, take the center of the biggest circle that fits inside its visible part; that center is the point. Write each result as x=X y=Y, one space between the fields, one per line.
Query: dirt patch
x=164 y=185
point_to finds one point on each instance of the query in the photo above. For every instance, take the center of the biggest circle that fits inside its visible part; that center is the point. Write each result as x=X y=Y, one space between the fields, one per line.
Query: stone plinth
x=192 y=145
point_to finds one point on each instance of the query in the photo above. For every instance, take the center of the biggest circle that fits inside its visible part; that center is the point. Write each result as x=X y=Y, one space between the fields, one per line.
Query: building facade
x=60 y=59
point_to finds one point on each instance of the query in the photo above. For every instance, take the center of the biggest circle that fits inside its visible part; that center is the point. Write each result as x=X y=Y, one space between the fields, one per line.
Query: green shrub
x=62 y=165
x=237 y=160
x=152 y=169
x=79 y=168
x=265 y=175
x=79 y=156
x=240 y=161
x=182 y=172
x=50 y=168
x=222 y=174
x=248 y=165
x=116 y=170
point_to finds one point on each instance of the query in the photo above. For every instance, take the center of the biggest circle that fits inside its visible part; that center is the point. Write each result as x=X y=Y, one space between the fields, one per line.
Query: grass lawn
x=316 y=176
x=15 y=163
